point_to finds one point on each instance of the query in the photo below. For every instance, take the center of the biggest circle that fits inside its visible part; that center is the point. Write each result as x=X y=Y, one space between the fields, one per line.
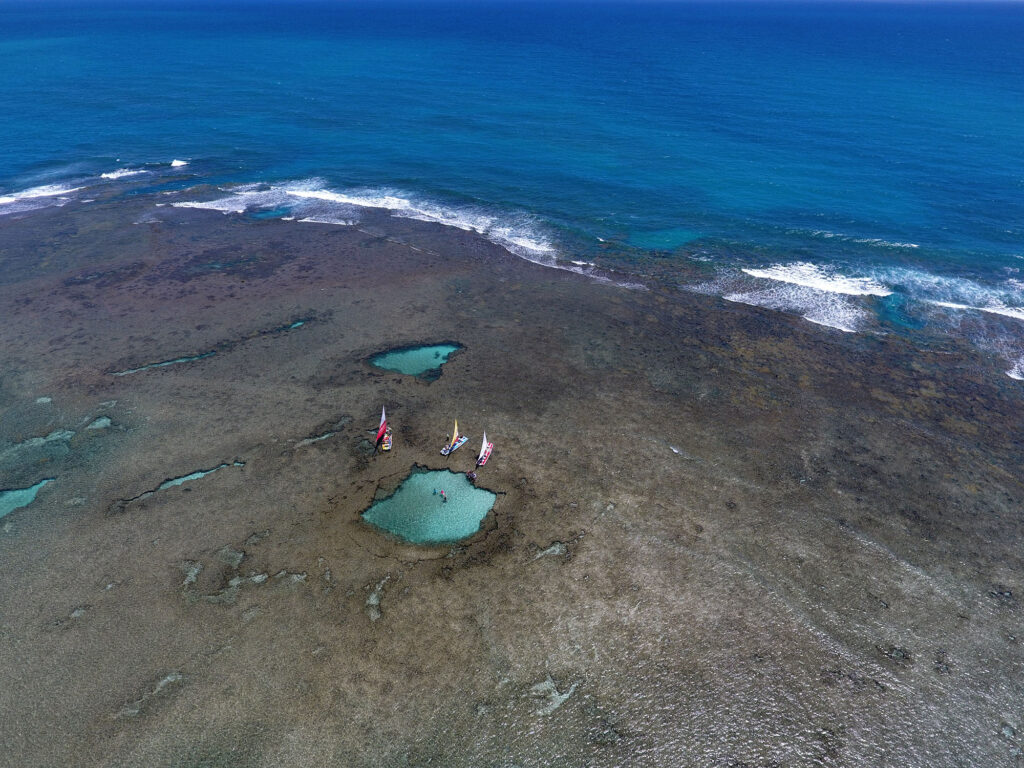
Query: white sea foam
x=520 y=235
x=884 y=243
x=178 y=163
x=36 y=197
x=1016 y=313
x=819 y=307
x=323 y=220
x=242 y=198
x=46 y=190
x=224 y=205
x=876 y=241
x=1005 y=298
x=121 y=173
x=311 y=201
x=813 y=276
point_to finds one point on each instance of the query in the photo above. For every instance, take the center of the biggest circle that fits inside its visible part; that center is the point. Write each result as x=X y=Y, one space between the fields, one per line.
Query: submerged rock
x=550 y=698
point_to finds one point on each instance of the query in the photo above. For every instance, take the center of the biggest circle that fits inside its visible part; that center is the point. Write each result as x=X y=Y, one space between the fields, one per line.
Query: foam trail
x=958 y=292
x=178 y=163
x=309 y=201
x=46 y=190
x=241 y=199
x=121 y=173
x=875 y=241
x=813 y=276
x=814 y=306
x=328 y=220
x=35 y=197
x=1017 y=313
x=518 y=236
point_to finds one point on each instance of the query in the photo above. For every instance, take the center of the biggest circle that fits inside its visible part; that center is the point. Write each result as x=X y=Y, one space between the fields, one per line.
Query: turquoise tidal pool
x=424 y=362
x=20 y=497
x=418 y=513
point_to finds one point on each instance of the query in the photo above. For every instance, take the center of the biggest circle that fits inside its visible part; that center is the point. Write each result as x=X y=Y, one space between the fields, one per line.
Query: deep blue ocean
x=861 y=165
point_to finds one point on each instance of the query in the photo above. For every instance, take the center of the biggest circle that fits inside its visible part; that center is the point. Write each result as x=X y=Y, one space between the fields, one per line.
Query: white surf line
x=1017 y=313
x=808 y=275
x=576 y=270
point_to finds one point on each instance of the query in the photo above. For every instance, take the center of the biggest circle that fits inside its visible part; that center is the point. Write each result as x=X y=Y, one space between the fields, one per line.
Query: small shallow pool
x=20 y=497
x=418 y=513
x=424 y=362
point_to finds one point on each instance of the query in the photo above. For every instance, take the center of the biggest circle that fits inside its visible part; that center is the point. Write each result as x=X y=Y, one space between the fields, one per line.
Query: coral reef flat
x=722 y=536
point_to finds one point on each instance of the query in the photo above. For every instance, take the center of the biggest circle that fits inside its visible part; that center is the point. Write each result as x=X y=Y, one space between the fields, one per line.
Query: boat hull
x=454 y=446
x=485 y=455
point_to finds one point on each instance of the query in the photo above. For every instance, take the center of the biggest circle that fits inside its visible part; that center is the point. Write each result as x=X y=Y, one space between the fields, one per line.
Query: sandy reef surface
x=723 y=537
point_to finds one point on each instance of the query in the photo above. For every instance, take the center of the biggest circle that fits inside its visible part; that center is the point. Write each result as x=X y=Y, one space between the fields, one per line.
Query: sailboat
x=457 y=441
x=485 y=452
x=384 y=432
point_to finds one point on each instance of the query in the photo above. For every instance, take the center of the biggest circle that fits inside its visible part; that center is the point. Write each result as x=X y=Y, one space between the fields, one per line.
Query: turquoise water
x=196 y=475
x=19 y=497
x=425 y=362
x=813 y=157
x=417 y=513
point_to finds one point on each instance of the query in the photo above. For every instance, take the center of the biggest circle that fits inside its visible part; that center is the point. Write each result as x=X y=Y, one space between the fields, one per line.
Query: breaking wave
x=819 y=295
x=121 y=173
x=959 y=293
x=812 y=276
x=812 y=305
x=1015 y=312
x=519 y=236
x=36 y=197
x=311 y=201
x=875 y=241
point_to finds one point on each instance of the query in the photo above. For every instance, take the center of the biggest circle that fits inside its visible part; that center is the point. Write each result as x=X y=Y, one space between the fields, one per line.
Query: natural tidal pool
x=418 y=513
x=424 y=362
x=19 y=497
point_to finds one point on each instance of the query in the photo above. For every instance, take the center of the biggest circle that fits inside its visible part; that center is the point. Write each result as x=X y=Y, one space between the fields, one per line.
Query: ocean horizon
x=858 y=165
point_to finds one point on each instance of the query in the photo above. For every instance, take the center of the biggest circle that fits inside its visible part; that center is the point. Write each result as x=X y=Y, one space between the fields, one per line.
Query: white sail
x=383 y=416
x=483 y=448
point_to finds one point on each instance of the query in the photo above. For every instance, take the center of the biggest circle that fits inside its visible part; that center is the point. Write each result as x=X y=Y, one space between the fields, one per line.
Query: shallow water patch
x=424 y=362
x=16 y=498
x=432 y=507
x=195 y=475
x=224 y=346
x=121 y=504
x=164 y=363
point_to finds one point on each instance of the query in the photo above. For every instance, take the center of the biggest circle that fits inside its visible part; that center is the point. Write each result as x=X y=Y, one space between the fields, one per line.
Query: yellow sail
x=455 y=434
